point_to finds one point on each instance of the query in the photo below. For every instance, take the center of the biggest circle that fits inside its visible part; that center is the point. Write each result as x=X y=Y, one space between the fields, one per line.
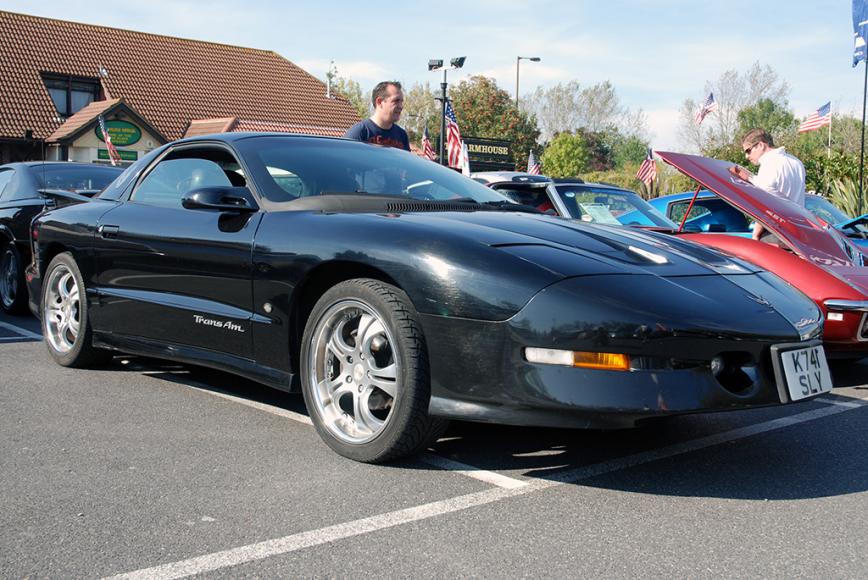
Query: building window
x=70 y=94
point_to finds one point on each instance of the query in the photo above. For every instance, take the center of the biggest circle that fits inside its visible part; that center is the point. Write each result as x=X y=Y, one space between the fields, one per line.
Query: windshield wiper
x=510 y=206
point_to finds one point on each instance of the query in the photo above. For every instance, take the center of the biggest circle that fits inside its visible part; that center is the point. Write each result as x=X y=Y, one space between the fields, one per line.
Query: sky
x=656 y=53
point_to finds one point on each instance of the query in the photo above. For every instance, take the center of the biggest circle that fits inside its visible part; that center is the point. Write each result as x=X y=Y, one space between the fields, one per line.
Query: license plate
x=806 y=372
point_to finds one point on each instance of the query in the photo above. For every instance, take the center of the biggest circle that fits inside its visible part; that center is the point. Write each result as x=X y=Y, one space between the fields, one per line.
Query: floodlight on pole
x=518 y=59
x=434 y=65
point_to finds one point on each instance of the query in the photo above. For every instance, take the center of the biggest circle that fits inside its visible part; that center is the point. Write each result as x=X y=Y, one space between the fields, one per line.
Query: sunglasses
x=749 y=149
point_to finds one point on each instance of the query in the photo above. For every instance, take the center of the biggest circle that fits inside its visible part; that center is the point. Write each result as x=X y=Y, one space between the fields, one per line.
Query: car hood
x=795 y=225
x=614 y=247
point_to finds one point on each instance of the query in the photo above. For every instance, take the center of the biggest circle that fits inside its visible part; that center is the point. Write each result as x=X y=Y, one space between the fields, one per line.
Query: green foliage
x=352 y=92
x=565 y=156
x=844 y=193
x=628 y=150
x=766 y=113
x=484 y=110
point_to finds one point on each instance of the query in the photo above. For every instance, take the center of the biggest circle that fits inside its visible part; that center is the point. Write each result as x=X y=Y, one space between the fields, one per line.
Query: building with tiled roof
x=52 y=69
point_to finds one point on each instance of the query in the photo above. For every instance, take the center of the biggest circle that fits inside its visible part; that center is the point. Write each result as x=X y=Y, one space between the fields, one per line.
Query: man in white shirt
x=780 y=173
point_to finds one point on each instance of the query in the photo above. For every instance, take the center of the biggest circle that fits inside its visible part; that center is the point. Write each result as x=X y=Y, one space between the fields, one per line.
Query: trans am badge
x=227 y=325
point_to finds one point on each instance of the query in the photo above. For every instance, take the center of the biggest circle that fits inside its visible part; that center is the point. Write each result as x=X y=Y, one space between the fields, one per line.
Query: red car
x=812 y=255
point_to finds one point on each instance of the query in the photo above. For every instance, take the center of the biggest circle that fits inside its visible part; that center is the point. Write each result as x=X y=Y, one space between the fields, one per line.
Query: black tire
x=13 y=287
x=355 y=405
x=65 y=323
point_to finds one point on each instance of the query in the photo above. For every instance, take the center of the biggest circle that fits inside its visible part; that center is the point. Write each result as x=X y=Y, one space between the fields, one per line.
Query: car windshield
x=287 y=168
x=604 y=205
x=76 y=178
x=824 y=209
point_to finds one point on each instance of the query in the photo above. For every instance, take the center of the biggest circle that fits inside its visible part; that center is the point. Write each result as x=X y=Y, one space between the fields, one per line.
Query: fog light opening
x=735 y=371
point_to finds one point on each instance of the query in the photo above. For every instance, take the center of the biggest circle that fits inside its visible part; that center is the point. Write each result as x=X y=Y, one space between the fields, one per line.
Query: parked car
x=834 y=281
x=712 y=213
x=20 y=201
x=810 y=254
x=395 y=294
x=577 y=199
x=854 y=228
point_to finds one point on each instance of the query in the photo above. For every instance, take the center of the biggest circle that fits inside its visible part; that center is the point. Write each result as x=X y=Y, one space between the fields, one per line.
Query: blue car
x=710 y=213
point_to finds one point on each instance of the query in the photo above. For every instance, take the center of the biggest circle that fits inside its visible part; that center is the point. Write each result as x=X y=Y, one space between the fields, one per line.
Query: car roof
x=241 y=135
x=50 y=163
x=509 y=176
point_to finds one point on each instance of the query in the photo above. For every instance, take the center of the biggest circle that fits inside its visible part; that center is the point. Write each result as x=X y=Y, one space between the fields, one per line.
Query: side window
x=5 y=178
x=676 y=211
x=186 y=170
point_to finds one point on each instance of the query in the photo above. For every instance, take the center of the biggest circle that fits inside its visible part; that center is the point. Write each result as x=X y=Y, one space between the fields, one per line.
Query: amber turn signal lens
x=601 y=360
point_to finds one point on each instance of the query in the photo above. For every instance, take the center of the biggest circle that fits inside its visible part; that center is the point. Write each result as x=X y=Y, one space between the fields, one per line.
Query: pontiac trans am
x=397 y=294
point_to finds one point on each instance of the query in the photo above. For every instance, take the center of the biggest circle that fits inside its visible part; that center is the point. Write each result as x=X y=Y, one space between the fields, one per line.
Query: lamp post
x=434 y=65
x=518 y=60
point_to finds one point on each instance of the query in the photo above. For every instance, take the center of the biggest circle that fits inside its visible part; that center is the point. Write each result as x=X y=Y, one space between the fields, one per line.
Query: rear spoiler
x=61 y=197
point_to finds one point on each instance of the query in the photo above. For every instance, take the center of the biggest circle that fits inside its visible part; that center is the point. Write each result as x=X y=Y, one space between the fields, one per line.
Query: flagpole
x=829 y=153
x=862 y=150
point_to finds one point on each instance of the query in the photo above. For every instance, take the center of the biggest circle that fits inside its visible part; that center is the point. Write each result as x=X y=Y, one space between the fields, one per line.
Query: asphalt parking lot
x=153 y=470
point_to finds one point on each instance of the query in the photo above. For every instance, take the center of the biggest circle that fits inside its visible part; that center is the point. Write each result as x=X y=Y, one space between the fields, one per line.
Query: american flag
x=427 y=150
x=453 y=138
x=648 y=170
x=532 y=164
x=819 y=118
x=709 y=106
x=114 y=156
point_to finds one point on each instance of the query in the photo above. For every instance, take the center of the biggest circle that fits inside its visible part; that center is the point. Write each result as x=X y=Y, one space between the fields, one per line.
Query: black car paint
x=485 y=284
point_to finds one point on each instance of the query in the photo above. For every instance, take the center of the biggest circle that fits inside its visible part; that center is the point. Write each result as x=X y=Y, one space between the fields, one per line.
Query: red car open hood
x=795 y=225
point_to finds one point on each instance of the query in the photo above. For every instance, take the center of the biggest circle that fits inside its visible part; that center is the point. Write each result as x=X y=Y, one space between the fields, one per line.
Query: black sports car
x=20 y=184
x=396 y=293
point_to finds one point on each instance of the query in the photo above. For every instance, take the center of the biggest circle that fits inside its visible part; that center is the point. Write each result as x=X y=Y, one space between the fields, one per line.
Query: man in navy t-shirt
x=382 y=128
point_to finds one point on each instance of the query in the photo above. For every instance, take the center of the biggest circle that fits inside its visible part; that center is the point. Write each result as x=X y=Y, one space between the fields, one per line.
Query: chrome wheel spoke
x=365 y=419
x=385 y=379
x=336 y=343
x=369 y=329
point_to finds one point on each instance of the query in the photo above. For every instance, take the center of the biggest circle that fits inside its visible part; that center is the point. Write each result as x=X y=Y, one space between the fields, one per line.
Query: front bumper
x=483 y=375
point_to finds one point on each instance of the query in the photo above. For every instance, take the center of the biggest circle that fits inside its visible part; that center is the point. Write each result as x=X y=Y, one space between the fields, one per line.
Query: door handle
x=109 y=231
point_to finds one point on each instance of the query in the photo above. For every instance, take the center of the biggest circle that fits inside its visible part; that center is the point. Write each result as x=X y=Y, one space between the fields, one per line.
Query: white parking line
x=295 y=542
x=208 y=390
x=21 y=331
x=491 y=477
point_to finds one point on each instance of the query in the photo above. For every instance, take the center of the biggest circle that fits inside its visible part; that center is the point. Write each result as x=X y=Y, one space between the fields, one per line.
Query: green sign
x=122 y=133
x=125 y=155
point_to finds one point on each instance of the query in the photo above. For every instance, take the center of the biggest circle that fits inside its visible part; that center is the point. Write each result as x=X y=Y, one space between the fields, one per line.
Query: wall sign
x=122 y=133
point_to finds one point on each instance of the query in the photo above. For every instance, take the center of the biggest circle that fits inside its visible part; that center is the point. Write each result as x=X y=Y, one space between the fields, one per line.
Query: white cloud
x=663 y=129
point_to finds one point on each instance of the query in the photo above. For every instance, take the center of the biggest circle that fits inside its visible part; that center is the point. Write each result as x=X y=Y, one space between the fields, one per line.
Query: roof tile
x=169 y=81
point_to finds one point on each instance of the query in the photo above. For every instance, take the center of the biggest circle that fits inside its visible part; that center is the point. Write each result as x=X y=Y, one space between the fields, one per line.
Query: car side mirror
x=220 y=198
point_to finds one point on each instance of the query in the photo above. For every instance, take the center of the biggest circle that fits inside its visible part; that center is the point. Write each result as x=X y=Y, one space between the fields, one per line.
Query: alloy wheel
x=62 y=309
x=354 y=371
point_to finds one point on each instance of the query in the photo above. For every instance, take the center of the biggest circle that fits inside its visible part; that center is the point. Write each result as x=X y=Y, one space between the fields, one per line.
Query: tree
x=569 y=107
x=732 y=92
x=485 y=110
x=566 y=155
x=769 y=115
x=421 y=107
x=352 y=92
